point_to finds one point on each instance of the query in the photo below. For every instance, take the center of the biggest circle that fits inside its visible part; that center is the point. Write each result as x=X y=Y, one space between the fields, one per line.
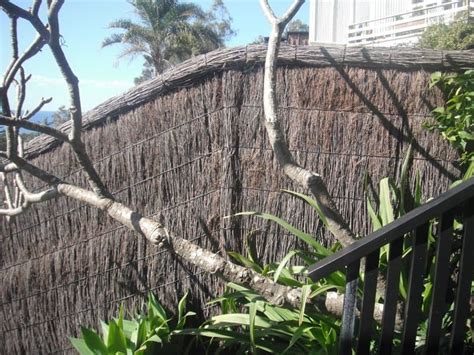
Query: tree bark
x=305 y=178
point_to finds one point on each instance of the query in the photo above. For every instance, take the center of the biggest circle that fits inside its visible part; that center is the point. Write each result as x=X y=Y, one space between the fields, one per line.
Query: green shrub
x=148 y=333
x=455 y=120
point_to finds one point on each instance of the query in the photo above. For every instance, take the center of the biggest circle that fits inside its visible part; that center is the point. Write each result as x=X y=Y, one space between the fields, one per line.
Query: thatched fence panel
x=189 y=148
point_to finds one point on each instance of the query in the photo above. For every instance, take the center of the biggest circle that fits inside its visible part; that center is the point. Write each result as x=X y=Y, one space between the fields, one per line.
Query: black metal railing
x=410 y=250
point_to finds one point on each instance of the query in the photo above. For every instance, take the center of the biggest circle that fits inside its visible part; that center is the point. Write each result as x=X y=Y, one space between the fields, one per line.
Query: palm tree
x=169 y=32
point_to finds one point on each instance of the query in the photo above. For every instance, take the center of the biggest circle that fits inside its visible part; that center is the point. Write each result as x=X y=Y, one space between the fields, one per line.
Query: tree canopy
x=170 y=31
x=456 y=35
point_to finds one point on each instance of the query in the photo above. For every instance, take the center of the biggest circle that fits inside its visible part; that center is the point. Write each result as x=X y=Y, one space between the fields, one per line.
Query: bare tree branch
x=21 y=92
x=335 y=223
x=35 y=7
x=13 y=10
x=53 y=132
x=267 y=10
x=51 y=35
x=33 y=49
x=34 y=197
x=68 y=74
x=290 y=13
x=37 y=108
x=6 y=191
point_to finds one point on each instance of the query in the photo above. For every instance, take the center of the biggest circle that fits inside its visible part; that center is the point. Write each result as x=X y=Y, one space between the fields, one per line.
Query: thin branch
x=267 y=10
x=53 y=132
x=35 y=7
x=37 y=108
x=20 y=163
x=335 y=222
x=292 y=10
x=12 y=212
x=34 y=197
x=14 y=36
x=13 y=10
x=34 y=48
x=69 y=76
x=6 y=191
x=21 y=92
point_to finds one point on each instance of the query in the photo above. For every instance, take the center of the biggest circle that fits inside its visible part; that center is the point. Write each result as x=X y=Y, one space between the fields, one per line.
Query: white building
x=378 y=22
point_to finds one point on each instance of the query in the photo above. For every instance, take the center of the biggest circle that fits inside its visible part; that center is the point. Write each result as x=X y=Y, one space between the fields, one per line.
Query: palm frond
x=113 y=39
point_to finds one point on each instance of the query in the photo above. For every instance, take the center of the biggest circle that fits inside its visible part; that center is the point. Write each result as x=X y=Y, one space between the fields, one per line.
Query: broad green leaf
x=181 y=310
x=385 y=208
x=153 y=339
x=406 y=166
x=128 y=327
x=120 y=318
x=279 y=314
x=325 y=288
x=297 y=335
x=470 y=171
x=313 y=203
x=376 y=222
x=250 y=247
x=241 y=319
x=105 y=330
x=155 y=308
x=305 y=291
x=307 y=238
x=252 y=316
x=93 y=341
x=81 y=346
x=282 y=264
x=417 y=195
x=116 y=341
x=435 y=78
x=427 y=296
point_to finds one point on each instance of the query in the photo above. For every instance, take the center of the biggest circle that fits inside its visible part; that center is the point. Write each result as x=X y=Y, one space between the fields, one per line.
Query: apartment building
x=379 y=22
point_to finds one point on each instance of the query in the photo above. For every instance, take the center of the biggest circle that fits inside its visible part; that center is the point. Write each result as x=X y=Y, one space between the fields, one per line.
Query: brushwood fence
x=189 y=148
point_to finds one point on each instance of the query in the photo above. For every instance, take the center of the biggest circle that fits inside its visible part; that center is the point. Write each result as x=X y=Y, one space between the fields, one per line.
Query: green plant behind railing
x=146 y=334
x=394 y=200
x=455 y=119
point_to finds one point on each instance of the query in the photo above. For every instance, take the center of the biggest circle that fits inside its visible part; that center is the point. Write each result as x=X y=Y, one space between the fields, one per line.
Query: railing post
x=371 y=272
x=349 y=309
x=466 y=271
x=415 y=287
x=391 y=295
x=440 y=283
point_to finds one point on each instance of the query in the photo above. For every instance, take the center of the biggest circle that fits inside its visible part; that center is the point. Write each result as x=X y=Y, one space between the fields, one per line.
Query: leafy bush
x=148 y=333
x=456 y=35
x=455 y=120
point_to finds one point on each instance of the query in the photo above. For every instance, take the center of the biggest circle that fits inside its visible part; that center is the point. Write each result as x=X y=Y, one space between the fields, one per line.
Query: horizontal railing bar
x=392 y=231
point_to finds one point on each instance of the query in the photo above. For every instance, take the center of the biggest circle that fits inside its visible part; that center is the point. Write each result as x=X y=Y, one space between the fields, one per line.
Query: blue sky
x=83 y=25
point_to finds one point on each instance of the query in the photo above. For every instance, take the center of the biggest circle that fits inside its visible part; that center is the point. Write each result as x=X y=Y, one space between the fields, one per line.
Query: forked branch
x=306 y=178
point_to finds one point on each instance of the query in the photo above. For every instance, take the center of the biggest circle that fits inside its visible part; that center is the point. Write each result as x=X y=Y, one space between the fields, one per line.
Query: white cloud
x=45 y=81
x=105 y=84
